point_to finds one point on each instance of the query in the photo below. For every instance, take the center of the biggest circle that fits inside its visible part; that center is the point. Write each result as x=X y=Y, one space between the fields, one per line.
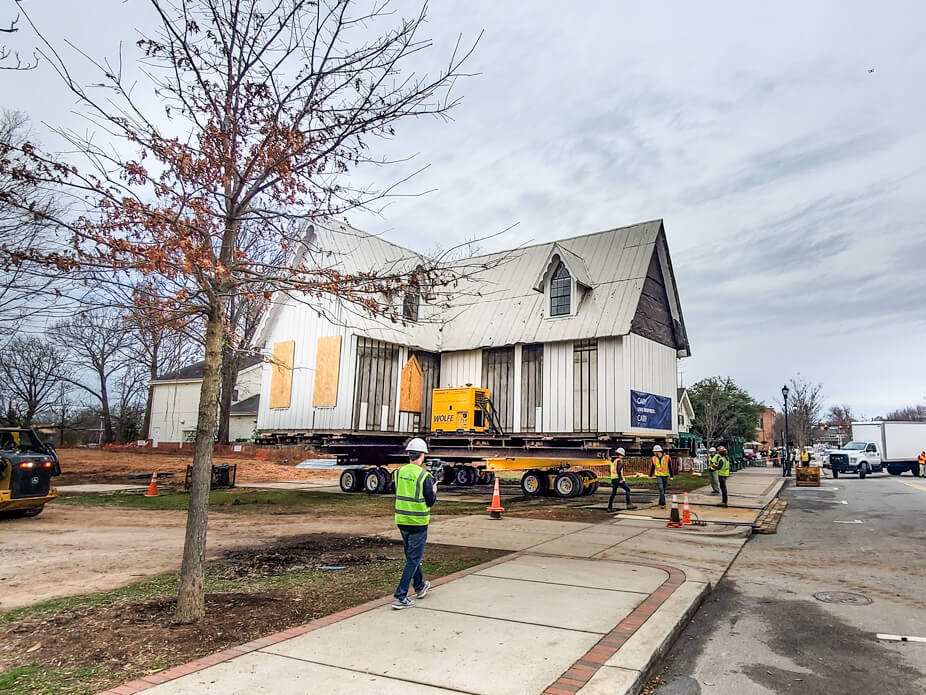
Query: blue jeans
x=414 y=552
x=663 y=482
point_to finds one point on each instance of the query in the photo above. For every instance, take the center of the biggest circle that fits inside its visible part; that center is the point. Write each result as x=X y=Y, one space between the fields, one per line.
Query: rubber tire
x=447 y=475
x=375 y=482
x=587 y=489
x=352 y=479
x=567 y=485
x=862 y=471
x=533 y=483
x=490 y=478
x=594 y=487
x=464 y=476
x=482 y=477
x=580 y=487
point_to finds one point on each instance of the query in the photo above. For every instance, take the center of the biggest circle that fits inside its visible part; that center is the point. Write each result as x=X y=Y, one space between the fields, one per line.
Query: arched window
x=560 y=291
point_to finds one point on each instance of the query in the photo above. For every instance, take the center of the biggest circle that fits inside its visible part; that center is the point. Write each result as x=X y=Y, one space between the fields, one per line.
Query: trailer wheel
x=375 y=481
x=351 y=479
x=486 y=477
x=567 y=484
x=533 y=483
x=465 y=476
x=587 y=488
x=447 y=474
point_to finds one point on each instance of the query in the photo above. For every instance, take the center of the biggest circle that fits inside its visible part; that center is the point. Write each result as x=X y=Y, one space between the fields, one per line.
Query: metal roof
x=195 y=370
x=497 y=305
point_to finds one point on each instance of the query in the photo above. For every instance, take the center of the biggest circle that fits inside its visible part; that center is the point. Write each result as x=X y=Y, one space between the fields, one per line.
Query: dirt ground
x=272 y=588
x=101 y=466
x=70 y=550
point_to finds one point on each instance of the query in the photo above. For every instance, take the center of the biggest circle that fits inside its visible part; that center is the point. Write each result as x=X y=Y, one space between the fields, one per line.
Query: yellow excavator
x=27 y=466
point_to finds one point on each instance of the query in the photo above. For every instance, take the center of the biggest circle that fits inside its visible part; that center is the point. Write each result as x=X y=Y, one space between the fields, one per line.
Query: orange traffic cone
x=495 y=509
x=674 y=520
x=153 y=486
x=686 y=512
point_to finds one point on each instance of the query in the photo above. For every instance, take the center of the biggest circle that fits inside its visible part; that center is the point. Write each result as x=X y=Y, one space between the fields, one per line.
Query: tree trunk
x=191 y=605
x=152 y=375
x=107 y=415
x=230 y=361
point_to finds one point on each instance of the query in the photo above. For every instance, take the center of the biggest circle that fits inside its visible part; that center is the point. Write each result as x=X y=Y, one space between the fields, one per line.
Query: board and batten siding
x=459 y=368
x=633 y=362
x=558 y=370
x=305 y=327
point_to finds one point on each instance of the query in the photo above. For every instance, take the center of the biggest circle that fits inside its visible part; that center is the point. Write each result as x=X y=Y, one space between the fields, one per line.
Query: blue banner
x=650 y=411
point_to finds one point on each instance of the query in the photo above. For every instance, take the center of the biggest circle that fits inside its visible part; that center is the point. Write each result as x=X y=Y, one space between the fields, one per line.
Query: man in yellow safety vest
x=715 y=484
x=721 y=464
x=660 y=468
x=805 y=458
x=617 y=480
x=415 y=494
x=921 y=459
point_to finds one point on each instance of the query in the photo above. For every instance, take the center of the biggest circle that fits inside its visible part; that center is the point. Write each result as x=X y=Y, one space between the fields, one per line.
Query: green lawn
x=268 y=502
x=37 y=680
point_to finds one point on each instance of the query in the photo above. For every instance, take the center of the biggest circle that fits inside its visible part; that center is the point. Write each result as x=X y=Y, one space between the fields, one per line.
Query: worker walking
x=715 y=485
x=721 y=465
x=617 y=480
x=415 y=494
x=921 y=460
x=660 y=469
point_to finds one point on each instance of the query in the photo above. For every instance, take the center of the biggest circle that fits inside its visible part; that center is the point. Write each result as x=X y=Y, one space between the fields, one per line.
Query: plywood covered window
x=281 y=379
x=376 y=380
x=498 y=377
x=585 y=385
x=531 y=385
x=430 y=380
x=560 y=291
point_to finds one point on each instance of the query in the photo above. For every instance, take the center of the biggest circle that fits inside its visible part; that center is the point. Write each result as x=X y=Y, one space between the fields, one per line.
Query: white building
x=686 y=412
x=580 y=335
x=175 y=403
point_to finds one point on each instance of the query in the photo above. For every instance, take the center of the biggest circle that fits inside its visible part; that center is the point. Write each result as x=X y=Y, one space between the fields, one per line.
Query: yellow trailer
x=561 y=477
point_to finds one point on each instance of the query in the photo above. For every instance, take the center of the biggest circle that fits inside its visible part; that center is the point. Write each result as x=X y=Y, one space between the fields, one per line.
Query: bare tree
x=96 y=341
x=840 y=415
x=910 y=413
x=6 y=53
x=805 y=407
x=266 y=108
x=30 y=370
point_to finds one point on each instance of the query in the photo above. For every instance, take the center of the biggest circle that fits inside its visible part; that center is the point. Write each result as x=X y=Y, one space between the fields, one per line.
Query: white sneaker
x=401 y=603
x=424 y=590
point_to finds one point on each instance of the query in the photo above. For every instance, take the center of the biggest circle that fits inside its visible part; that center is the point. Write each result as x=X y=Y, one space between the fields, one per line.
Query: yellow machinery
x=462 y=410
x=26 y=468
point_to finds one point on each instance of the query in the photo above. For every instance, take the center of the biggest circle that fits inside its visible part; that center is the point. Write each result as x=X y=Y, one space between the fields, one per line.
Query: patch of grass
x=268 y=502
x=37 y=680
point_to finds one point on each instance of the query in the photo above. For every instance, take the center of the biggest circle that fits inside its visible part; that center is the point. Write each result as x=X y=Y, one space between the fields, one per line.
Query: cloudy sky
x=790 y=178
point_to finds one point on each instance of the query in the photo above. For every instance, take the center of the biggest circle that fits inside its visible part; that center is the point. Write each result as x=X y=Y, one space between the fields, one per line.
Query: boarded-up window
x=531 y=385
x=376 y=380
x=327 y=366
x=430 y=380
x=410 y=387
x=281 y=380
x=585 y=385
x=498 y=377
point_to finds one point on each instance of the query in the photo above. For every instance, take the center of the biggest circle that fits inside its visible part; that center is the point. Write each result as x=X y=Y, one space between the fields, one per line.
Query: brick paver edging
x=582 y=671
x=154 y=679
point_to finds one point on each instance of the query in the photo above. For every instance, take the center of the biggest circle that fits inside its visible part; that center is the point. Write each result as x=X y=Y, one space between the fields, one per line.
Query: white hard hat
x=712 y=450
x=657 y=449
x=620 y=451
x=417 y=446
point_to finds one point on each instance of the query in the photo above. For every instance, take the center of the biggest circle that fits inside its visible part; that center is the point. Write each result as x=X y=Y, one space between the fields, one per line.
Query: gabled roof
x=574 y=264
x=195 y=370
x=500 y=305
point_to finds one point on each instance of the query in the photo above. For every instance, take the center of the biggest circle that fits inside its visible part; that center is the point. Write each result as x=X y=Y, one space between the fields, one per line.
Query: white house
x=175 y=403
x=686 y=412
x=580 y=335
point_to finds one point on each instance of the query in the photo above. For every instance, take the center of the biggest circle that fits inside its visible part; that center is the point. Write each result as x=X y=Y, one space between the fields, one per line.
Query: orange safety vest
x=662 y=465
x=921 y=459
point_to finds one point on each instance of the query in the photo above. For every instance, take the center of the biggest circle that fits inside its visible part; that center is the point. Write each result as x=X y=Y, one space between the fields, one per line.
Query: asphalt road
x=762 y=631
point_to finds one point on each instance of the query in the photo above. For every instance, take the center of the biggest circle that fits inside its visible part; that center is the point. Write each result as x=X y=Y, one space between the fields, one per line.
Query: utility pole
x=784 y=393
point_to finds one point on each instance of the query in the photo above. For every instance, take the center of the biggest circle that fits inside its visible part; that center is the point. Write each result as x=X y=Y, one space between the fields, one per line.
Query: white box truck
x=877 y=446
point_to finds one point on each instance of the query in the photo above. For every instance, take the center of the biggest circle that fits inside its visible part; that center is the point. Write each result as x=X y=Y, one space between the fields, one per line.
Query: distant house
x=765 y=432
x=686 y=412
x=175 y=403
x=579 y=335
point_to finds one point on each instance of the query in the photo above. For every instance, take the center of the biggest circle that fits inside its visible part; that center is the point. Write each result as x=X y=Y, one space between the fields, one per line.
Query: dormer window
x=560 y=291
x=410 y=304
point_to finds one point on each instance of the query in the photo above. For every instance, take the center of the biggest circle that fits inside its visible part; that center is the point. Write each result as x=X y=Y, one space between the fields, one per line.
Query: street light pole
x=785 y=469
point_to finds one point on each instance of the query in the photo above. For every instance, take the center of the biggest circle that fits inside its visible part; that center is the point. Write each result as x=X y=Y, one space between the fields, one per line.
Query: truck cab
x=859 y=458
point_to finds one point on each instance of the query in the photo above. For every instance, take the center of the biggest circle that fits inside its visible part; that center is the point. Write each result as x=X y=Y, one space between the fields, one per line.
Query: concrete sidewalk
x=575 y=608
